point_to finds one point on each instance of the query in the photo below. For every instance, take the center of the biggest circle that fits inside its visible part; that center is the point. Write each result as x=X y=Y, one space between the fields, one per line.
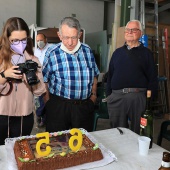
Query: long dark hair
x=12 y=24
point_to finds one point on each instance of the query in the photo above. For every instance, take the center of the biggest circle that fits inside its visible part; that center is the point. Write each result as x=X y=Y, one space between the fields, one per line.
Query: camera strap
x=10 y=89
x=15 y=60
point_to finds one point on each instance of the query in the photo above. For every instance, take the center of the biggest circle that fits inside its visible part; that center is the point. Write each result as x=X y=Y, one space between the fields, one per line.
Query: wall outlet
x=73 y=15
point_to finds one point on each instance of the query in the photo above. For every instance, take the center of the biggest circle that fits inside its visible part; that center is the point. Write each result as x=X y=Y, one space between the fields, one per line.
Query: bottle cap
x=166 y=157
x=148 y=93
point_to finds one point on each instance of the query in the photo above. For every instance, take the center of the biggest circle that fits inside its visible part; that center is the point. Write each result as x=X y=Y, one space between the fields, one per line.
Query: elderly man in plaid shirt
x=70 y=73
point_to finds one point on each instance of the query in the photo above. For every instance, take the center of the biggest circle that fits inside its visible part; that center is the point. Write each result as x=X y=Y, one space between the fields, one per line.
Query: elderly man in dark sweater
x=131 y=73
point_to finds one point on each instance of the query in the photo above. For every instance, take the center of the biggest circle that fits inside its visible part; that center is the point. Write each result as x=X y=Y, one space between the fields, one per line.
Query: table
x=125 y=148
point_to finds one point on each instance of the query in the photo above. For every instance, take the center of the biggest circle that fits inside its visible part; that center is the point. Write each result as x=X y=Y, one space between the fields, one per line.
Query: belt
x=73 y=101
x=130 y=90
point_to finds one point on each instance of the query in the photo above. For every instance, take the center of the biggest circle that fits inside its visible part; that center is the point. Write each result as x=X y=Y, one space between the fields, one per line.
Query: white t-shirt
x=41 y=53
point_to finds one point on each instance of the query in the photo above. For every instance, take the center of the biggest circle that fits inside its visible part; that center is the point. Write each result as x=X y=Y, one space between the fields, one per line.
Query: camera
x=29 y=68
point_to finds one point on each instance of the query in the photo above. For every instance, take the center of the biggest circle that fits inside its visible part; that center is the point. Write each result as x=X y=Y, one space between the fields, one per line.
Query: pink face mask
x=19 y=48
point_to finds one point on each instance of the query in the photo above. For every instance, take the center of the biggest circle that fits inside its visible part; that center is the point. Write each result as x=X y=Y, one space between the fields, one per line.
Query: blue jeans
x=40 y=108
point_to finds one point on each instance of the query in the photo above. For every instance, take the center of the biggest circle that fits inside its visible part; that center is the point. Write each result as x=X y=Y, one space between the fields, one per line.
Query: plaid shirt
x=70 y=75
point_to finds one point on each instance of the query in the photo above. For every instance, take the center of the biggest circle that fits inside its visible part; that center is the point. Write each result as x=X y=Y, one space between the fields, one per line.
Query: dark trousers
x=15 y=126
x=64 y=114
x=124 y=106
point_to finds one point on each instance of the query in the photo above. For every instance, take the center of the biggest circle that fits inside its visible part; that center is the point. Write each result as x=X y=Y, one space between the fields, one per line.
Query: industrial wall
x=25 y=9
x=89 y=12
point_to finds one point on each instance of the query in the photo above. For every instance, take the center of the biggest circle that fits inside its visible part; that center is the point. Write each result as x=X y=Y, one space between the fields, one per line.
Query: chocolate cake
x=61 y=156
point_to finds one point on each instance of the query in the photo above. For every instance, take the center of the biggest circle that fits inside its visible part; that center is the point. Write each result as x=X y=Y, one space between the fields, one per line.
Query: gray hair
x=139 y=23
x=70 y=22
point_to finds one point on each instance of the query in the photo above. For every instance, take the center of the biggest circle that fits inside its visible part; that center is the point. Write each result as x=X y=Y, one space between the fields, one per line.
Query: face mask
x=19 y=48
x=41 y=44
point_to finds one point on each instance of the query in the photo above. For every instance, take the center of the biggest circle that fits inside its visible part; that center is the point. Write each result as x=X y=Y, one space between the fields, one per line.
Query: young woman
x=16 y=93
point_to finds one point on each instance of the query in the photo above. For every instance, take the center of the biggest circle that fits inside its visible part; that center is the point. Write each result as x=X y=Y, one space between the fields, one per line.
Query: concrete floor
x=104 y=124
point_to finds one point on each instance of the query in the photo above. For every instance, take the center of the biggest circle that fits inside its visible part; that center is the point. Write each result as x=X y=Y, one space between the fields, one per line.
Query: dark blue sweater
x=134 y=68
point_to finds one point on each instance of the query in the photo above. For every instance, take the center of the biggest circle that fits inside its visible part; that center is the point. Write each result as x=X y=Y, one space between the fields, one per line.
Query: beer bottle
x=165 y=165
x=146 y=122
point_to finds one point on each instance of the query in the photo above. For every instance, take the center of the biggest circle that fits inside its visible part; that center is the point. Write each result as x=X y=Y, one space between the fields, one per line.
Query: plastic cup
x=144 y=143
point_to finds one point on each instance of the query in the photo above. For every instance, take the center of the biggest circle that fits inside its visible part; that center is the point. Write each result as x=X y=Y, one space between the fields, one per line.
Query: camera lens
x=31 y=78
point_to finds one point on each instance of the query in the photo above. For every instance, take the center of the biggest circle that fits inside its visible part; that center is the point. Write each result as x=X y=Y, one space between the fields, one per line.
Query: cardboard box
x=167 y=116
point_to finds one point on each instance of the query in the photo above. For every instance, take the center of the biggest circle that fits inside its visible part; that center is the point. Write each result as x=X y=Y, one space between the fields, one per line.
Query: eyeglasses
x=67 y=38
x=16 y=41
x=133 y=30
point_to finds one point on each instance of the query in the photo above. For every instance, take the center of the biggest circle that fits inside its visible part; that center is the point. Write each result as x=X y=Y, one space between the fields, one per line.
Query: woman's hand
x=13 y=72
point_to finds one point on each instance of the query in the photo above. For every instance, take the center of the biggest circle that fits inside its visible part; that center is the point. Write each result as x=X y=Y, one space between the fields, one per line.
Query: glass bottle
x=146 y=123
x=165 y=165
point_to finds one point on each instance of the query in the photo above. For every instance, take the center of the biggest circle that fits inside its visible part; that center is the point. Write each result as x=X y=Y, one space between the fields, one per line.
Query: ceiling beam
x=164 y=7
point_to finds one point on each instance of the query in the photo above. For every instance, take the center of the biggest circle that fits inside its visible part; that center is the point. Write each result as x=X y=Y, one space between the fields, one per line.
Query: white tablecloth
x=125 y=148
